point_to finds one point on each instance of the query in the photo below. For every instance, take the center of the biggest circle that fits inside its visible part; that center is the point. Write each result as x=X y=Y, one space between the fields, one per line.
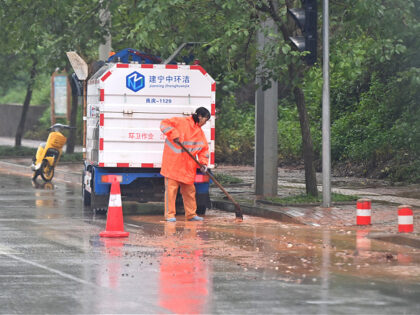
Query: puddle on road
x=289 y=252
x=189 y=264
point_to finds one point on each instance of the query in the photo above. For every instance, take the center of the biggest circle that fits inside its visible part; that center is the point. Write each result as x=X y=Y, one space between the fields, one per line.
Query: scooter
x=49 y=153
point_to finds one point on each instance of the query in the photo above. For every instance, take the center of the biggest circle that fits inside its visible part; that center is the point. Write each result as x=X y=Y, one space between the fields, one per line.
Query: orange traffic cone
x=114 y=221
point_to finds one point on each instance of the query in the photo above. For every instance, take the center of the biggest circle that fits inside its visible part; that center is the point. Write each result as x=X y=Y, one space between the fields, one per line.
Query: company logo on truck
x=169 y=81
x=135 y=81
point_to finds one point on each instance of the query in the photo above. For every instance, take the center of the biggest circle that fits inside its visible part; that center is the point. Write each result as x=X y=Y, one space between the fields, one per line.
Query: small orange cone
x=363 y=211
x=405 y=219
x=114 y=221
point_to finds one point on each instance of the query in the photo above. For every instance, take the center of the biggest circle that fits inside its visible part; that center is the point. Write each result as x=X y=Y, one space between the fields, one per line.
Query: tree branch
x=271 y=11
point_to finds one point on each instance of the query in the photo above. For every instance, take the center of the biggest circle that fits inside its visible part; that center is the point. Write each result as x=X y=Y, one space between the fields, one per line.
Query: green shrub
x=226 y=179
x=289 y=134
x=304 y=198
x=8 y=151
x=235 y=133
x=74 y=157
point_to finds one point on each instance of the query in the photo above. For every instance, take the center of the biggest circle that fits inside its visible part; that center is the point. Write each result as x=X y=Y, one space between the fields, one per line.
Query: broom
x=238 y=211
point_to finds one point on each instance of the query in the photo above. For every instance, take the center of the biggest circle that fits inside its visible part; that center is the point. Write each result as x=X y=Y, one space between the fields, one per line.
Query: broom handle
x=211 y=176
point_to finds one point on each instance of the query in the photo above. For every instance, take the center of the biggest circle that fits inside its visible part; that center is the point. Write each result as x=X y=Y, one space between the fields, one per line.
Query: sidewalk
x=384 y=206
x=385 y=199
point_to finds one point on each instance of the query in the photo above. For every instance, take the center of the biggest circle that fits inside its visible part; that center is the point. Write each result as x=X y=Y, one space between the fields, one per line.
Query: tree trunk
x=308 y=151
x=73 y=118
x=21 y=127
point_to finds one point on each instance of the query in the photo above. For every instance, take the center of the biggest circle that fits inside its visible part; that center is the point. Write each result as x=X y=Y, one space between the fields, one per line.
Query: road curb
x=256 y=211
x=308 y=204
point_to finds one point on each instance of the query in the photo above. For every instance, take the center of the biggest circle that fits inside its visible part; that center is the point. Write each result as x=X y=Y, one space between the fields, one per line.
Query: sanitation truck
x=126 y=100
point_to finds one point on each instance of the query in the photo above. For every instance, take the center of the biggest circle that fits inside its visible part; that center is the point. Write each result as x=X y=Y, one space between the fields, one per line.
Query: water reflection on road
x=52 y=260
x=184 y=275
x=266 y=265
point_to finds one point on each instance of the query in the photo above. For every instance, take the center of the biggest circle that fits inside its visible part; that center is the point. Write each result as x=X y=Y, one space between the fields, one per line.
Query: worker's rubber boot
x=171 y=220
x=196 y=218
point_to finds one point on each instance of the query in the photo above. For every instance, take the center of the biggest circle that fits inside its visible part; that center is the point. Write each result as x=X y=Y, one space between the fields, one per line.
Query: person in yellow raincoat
x=178 y=168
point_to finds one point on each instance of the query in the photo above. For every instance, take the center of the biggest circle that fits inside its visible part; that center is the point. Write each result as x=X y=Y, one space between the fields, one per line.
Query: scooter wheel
x=47 y=171
x=35 y=175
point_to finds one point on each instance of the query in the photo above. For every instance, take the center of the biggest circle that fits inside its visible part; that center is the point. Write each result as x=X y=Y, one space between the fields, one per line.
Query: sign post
x=326 y=119
x=80 y=67
x=60 y=96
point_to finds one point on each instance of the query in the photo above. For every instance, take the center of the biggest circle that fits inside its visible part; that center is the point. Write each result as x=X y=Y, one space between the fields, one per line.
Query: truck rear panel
x=127 y=102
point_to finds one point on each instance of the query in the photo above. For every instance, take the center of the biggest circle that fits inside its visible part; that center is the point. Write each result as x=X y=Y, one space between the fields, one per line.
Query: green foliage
x=403 y=170
x=40 y=131
x=40 y=96
x=374 y=68
x=289 y=135
x=42 y=90
x=226 y=179
x=235 y=133
x=14 y=96
x=308 y=199
x=7 y=151
x=382 y=123
x=71 y=158
x=374 y=84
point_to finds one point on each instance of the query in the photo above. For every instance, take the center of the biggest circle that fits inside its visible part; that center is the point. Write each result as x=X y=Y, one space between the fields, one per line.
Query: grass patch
x=8 y=151
x=303 y=199
x=225 y=179
x=74 y=157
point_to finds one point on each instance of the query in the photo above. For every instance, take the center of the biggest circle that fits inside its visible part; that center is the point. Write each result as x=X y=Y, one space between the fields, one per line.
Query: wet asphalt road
x=52 y=261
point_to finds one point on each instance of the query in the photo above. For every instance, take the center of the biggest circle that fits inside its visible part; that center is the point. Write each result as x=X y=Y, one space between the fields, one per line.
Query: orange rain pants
x=188 y=197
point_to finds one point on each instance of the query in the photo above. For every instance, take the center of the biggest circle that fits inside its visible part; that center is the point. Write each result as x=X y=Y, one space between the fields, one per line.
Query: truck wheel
x=179 y=204
x=203 y=202
x=201 y=209
x=85 y=193
x=47 y=171
x=98 y=203
x=86 y=197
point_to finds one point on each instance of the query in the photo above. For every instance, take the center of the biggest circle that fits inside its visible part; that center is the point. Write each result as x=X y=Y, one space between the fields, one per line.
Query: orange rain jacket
x=176 y=164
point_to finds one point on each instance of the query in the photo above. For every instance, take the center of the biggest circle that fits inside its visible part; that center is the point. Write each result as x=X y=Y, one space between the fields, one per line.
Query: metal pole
x=326 y=148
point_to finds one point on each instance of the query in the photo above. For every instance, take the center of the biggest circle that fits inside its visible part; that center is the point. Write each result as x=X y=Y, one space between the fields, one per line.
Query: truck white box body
x=127 y=102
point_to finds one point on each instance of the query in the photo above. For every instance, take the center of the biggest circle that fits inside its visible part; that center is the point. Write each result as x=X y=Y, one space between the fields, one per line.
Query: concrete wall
x=10 y=117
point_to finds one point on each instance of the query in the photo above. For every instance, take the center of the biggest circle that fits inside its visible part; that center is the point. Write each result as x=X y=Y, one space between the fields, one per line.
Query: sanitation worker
x=178 y=168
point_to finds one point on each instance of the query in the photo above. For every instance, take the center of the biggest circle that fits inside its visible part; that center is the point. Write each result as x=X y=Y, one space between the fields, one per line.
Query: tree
x=23 y=31
x=295 y=70
x=375 y=84
x=374 y=63
x=38 y=33
x=228 y=28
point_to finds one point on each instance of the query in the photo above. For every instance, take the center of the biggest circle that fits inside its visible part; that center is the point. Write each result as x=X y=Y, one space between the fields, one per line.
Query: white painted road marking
x=52 y=270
